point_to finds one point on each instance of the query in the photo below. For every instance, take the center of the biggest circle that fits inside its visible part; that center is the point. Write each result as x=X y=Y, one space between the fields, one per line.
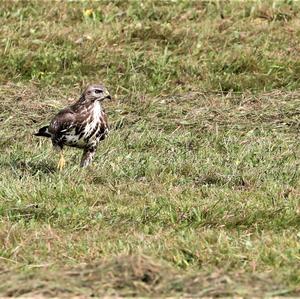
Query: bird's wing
x=62 y=123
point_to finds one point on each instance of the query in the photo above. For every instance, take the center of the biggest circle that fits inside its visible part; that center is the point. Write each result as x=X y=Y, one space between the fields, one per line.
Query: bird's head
x=95 y=92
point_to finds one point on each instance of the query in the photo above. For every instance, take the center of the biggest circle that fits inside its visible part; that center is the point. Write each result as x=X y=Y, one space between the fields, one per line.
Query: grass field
x=196 y=192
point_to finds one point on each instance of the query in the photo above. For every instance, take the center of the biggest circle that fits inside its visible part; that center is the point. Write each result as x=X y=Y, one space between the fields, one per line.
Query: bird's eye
x=98 y=91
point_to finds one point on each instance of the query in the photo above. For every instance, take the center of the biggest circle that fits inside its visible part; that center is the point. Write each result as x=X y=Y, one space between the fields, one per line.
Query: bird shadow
x=31 y=167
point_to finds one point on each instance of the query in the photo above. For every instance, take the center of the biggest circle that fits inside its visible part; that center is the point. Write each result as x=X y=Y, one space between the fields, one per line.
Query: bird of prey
x=82 y=125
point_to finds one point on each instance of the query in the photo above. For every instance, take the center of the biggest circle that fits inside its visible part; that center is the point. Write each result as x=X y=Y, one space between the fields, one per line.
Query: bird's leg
x=87 y=157
x=61 y=162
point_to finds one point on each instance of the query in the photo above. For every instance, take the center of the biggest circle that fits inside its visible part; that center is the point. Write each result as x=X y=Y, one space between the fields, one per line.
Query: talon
x=61 y=162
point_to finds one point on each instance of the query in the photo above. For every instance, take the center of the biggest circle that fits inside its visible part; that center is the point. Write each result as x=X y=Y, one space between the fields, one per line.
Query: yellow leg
x=61 y=162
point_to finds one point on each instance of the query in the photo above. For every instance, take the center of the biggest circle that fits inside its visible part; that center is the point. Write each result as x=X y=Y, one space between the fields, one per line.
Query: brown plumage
x=82 y=125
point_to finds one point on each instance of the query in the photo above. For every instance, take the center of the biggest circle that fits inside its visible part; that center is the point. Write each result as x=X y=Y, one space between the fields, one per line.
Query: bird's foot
x=61 y=163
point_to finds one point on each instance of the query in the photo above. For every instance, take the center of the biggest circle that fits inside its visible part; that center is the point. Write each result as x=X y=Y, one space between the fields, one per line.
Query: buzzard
x=82 y=125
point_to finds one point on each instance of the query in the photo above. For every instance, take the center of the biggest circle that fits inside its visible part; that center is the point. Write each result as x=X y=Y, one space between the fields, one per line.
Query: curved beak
x=106 y=95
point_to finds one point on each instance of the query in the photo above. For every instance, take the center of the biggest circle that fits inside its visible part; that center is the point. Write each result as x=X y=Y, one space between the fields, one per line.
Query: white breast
x=97 y=109
x=93 y=121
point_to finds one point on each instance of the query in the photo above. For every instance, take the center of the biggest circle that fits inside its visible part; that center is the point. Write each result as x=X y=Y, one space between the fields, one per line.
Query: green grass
x=196 y=190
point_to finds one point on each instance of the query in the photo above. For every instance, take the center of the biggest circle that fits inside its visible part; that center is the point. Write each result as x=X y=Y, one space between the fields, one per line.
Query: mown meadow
x=196 y=192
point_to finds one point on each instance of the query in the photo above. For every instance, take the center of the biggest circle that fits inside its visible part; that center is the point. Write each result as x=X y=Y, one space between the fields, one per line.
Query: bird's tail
x=43 y=132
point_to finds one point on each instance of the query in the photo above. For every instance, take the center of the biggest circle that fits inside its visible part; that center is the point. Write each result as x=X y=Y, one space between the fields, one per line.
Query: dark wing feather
x=43 y=132
x=61 y=124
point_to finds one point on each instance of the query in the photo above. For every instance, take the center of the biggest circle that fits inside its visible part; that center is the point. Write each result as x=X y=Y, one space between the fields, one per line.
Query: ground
x=196 y=190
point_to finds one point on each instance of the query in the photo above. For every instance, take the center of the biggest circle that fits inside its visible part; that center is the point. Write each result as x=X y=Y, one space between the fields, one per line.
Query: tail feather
x=43 y=132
